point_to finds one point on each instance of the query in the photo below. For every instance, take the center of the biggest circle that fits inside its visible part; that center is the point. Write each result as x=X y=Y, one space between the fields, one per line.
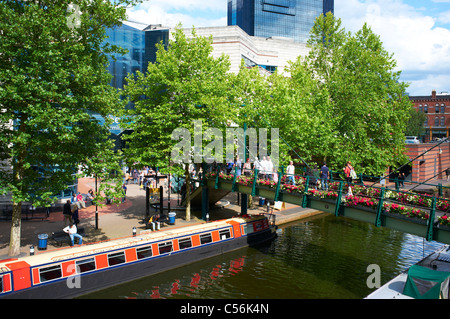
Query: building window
x=426 y=122
x=436 y=121
x=436 y=108
x=425 y=108
x=442 y=108
x=420 y=108
x=442 y=121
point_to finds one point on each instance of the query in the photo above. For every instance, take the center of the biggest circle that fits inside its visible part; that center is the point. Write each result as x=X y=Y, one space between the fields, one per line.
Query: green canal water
x=319 y=258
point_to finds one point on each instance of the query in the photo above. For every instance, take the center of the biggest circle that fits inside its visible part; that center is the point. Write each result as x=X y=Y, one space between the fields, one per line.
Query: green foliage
x=415 y=126
x=369 y=105
x=53 y=77
x=185 y=83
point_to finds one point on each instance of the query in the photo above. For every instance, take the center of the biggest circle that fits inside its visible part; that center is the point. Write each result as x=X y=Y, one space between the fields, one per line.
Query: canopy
x=426 y=283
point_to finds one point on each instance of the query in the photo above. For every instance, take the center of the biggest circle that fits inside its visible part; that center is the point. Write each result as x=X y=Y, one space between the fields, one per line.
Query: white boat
x=427 y=279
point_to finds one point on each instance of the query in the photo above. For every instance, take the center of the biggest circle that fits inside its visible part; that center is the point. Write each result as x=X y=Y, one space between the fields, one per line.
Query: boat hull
x=82 y=284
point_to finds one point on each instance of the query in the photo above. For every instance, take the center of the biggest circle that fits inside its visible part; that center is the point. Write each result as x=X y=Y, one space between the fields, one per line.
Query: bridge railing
x=381 y=199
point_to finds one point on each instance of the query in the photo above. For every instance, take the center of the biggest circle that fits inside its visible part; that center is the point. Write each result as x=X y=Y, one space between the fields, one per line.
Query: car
x=412 y=140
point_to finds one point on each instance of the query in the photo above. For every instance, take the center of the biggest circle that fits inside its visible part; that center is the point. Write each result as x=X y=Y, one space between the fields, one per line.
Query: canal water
x=323 y=257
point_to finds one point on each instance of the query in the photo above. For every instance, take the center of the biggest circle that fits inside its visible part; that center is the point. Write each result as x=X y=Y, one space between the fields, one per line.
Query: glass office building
x=140 y=41
x=291 y=19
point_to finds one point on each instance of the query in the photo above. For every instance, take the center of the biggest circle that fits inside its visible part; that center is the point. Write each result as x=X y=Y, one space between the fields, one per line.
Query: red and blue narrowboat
x=74 y=271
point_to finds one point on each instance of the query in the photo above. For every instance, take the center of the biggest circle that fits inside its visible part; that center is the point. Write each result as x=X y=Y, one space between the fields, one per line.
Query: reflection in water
x=323 y=257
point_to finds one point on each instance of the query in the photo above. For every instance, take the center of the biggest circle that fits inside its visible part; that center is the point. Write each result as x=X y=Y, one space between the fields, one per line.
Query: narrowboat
x=77 y=270
x=427 y=279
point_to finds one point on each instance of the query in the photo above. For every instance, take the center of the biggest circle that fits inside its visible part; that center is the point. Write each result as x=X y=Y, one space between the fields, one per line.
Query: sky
x=416 y=32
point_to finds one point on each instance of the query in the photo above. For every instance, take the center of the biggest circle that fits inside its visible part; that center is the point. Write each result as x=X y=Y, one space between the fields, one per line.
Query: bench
x=60 y=237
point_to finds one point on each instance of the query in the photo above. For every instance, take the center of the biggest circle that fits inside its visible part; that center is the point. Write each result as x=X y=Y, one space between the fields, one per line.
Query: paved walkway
x=116 y=221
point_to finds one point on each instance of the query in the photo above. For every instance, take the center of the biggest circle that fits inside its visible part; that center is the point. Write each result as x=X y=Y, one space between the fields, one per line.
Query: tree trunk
x=188 y=192
x=14 y=243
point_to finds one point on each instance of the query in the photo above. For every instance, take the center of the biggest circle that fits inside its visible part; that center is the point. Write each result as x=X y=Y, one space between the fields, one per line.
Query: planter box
x=405 y=224
x=324 y=205
x=364 y=214
x=244 y=189
x=291 y=198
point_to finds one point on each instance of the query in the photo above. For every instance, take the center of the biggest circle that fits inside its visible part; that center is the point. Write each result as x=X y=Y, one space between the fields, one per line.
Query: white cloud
x=190 y=13
x=418 y=45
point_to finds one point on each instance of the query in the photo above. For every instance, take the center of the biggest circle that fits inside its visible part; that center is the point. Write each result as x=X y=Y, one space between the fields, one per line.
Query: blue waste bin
x=172 y=218
x=42 y=245
x=261 y=201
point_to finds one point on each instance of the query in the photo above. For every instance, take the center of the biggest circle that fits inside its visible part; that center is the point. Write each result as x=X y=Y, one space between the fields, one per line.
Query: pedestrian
x=263 y=164
x=124 y=189
x=348 y=175
x=257 y=167
x=269 y=169
x=447 y=172
x=324 y=176
x=290 y=172
x=247 y=168
x=72 y=231
x=237 y=164
x=67 y=213
x=401 y=179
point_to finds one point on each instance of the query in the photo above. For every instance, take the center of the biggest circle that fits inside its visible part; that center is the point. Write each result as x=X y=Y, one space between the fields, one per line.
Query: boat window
x=205 y=238
x=224 y=234
x=85 y=265
x=50 y=273
x=144 y=252
x=185 y=243
x=1 y=283
x=249 y=228
x=165 y=247
x=116 y=258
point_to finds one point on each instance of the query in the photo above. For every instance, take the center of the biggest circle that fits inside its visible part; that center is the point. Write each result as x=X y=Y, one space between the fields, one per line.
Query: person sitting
x=155 y=221
x=80 y=200
x=90 y=195
x=72 y=231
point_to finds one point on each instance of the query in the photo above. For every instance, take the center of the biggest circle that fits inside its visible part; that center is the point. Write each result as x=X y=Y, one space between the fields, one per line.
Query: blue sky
x=416 y=32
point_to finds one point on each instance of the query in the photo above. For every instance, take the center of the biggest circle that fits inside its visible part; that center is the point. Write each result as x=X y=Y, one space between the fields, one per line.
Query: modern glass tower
x=277 y=18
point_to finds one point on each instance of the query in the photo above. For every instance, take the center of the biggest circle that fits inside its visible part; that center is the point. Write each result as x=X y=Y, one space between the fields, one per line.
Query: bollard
x=134 y=231
x=31 y=250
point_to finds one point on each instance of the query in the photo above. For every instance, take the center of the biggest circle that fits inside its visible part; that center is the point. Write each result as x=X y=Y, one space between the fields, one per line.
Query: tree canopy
x=184 y=84
x=53 y=77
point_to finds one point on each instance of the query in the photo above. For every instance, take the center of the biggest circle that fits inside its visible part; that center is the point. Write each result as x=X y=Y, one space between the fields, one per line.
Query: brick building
x=431 y=165
x=437 y=106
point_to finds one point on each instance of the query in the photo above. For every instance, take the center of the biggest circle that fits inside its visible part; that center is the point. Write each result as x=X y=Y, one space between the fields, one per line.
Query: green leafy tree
x=369 y=106
x=52 y=79
x=415 y=125
x=184 y=84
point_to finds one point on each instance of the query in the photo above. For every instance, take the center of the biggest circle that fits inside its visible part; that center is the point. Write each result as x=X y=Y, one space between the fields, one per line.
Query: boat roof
x=144 y=237
x=438 y=261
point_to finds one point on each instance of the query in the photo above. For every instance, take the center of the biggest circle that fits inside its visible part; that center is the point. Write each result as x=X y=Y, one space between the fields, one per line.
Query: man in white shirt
x=269 y=168
x=257 y=166
x=72 y=231
x=264 y=167
x=290 y=171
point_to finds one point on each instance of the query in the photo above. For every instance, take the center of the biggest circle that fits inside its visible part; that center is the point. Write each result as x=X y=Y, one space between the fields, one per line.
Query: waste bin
x=261 y=201
x=42 y=245
x=172 y=218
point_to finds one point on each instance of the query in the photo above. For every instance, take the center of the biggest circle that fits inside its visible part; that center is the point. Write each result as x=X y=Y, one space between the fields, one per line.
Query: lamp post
x=96 y=207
